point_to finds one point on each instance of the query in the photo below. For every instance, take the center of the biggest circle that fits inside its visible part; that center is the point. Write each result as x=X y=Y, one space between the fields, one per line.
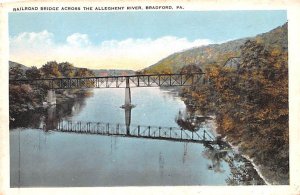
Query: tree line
x=24 y=97
x=51 y=69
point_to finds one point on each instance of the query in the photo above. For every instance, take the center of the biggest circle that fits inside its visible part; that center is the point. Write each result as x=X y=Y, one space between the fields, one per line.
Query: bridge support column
x=127 y=106
x=51 y=97
x=127 y=96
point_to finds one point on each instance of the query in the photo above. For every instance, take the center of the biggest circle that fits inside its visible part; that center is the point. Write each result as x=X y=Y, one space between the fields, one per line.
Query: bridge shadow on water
x=52 y=123
x=55 y=120
x=136 y=131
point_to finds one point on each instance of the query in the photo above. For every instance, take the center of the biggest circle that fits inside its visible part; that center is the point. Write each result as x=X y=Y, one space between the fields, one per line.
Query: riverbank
x=36 y=100
x=213 y=126
x=266 y=170
x=256 y=167
x=249 y=144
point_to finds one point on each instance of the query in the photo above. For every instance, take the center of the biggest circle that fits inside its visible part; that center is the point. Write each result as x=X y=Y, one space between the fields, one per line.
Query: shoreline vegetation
x=251 y=107
x=23 y=98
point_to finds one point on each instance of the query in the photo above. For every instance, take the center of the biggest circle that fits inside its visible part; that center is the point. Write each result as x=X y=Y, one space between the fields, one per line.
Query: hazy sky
x=131 y=40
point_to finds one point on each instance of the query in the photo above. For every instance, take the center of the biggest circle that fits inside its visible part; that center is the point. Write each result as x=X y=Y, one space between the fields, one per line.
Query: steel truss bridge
x=137 y=131
x=154 y=80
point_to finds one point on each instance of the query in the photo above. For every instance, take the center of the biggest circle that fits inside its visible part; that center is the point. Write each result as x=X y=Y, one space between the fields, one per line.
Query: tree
x=16 y=72
x=33 y=73
x=51 y=70
x=67 y=69
x=83 y=72
x=191 y=68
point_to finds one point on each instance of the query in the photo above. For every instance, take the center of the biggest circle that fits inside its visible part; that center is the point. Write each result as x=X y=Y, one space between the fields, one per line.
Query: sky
x=127 y=40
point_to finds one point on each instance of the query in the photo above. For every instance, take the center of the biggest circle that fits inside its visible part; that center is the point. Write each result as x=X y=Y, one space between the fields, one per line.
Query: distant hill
x=97 y=72
x=15 y=64
x=217 y=53
x=112 y=72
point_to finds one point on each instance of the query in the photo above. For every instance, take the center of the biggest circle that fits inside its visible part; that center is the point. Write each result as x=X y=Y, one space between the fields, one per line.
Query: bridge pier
x=127 y=103
x=127 y=97
x=51 y=97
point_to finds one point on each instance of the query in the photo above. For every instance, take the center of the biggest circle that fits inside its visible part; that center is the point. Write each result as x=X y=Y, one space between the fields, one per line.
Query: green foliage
x=33 y=73
x=67 y=69
x=51 y=70
x=23 y=97
x=16 y=72
x=84 y=72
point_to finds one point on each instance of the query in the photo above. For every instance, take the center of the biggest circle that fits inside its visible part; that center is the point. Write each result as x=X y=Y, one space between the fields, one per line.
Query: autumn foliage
x=251 y=104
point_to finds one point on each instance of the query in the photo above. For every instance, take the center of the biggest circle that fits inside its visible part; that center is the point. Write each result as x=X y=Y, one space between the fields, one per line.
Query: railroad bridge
x=127 y=82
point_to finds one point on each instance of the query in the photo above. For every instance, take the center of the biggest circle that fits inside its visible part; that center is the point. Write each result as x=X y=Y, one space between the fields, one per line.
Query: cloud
x=78 y=40
x=35 y=49
x=32 y=40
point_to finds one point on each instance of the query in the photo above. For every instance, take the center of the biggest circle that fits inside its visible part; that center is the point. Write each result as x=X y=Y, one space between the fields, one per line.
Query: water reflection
x=161 y=161
x=176 y=163
x=56 y=118
x=191 y=121
x=127 y=111
x=48 y=118
x=241 y=170
x=216 y=155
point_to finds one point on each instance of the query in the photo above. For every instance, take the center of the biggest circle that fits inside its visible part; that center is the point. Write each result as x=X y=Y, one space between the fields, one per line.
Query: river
x=41 y=156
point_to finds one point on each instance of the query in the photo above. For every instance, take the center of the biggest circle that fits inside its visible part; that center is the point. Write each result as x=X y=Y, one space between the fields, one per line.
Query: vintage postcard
x=173 y=97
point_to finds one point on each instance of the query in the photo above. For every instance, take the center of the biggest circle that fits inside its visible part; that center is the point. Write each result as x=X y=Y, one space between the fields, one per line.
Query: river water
x=41 y=156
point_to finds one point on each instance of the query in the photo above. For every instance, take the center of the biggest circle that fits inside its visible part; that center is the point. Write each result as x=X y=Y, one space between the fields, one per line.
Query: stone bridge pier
x=127 y=103
x=51 y=97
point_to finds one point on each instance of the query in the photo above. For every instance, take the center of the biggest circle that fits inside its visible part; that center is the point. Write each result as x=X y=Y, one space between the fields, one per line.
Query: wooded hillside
x=218 y=54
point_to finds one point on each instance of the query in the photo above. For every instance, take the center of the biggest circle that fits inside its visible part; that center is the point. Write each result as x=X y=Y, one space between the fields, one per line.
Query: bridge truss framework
x=157 y=80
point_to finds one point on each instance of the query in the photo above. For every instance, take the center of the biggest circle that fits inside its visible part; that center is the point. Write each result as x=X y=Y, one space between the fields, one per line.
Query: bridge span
x=127 y=82
x=150 y=80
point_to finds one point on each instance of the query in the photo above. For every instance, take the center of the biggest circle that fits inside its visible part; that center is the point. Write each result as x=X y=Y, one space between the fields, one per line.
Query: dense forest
x=249 y=98
x=251 y=106
x=24 y=97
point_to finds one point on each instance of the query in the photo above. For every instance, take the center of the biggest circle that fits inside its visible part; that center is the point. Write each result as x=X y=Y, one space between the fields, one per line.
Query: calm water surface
x=51 y=158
